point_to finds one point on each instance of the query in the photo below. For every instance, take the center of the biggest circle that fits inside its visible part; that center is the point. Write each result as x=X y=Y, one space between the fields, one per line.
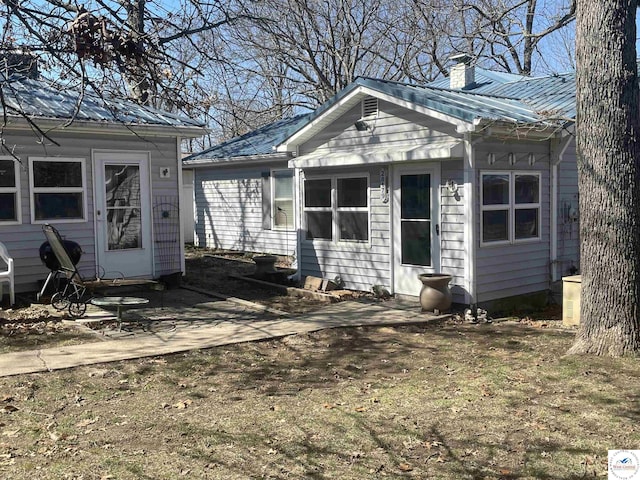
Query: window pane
x=354 y=226
x=416 y=243
x=7 y=173
x=318 y=225
x=526 y=223
x=58 y=205
x=122 y=185
x=495 y=226
x=57 y=174
x=124 y=228
x=527 y=189
x=317 y=193
x=352 y=192
x=415 y=196
x=495 y=189
x=283 y=186
x=8 y=207
x=283 y=214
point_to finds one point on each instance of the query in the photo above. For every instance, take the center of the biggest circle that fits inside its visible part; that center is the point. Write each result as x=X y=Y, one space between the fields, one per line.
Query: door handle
x=437 y=229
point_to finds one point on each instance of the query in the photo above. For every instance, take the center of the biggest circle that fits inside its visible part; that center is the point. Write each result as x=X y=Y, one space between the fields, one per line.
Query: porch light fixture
x=452 y=186
x=491 y=158
x=361 y=125
x=512 y=158
x=532 y=159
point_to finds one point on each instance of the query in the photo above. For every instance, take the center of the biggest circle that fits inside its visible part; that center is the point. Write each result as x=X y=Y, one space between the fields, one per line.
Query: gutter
x=222 y=162
x=97 y=127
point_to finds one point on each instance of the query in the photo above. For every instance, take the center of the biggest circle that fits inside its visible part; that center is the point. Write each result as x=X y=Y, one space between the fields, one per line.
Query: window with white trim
x=10 y=211
x=510 y=207
x=58 y=189
x=337 y=208
x=282 y=199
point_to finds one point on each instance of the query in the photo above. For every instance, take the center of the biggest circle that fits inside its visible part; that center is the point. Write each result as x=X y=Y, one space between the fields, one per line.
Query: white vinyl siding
x=229 y=212
x=23 y=241
x=508 y=269
x=452 y=227
x=360 y=265
x=568 y=228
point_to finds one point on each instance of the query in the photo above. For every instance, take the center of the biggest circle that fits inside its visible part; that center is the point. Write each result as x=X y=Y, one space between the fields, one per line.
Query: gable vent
x=369 y=107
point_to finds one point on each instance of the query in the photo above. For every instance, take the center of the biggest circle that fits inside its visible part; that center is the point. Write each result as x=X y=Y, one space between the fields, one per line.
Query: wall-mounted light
x=532 y=159
x=452 y=186
x=512 y=158
x=361 y=125
x=384 y=191
x=491 y=158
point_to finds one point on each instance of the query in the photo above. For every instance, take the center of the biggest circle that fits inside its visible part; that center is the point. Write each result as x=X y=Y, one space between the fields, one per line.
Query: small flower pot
x=435 y=294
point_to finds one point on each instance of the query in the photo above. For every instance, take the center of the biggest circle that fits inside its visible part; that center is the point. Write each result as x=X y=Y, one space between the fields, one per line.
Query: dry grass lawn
x=438 y=401
x=444 y=401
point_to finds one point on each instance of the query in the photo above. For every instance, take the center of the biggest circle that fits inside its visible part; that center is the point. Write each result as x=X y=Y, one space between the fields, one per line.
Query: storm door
x=415 y=228
x=123 y=215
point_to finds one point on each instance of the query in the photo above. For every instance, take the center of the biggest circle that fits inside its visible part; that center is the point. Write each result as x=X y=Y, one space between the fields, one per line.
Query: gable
x=392 y=126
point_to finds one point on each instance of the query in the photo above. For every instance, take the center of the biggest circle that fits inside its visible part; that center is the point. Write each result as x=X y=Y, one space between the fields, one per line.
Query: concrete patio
x=181 y=320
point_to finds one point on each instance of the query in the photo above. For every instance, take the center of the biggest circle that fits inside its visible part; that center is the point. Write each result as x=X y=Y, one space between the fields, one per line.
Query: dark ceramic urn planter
x=265 y=264
x=435 y=295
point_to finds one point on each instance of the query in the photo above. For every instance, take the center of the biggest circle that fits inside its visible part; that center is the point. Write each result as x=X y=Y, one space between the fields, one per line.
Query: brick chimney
x=18 y=63
x=462 y=74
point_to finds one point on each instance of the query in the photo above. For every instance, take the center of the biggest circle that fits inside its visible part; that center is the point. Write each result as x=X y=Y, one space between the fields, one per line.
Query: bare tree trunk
x=609 y=181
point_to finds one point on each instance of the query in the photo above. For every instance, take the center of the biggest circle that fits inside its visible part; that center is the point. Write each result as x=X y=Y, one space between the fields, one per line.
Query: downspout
x=470 y=221
x=556 y=156
x=183 y=267
x=471 y=284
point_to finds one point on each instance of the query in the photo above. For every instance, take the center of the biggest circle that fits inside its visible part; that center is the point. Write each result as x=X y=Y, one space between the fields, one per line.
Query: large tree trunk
x=609 y=180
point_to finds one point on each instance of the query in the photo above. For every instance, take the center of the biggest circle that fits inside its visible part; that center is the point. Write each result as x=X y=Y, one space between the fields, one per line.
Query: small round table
x=120 y=303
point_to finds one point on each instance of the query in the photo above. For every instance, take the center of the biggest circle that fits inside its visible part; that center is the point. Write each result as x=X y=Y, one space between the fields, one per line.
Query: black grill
x=49 y=259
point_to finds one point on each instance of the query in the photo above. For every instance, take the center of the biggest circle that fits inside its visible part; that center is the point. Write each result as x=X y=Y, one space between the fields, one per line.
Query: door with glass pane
x=123 y=215
x=415 y=226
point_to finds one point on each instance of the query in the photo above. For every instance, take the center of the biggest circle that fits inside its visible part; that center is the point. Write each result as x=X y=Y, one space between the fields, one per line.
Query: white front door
x=123 y=214
x=415 y=225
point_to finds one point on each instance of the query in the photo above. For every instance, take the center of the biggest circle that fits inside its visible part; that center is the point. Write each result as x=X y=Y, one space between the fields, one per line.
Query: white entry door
x=415 y=226
x=123 y=214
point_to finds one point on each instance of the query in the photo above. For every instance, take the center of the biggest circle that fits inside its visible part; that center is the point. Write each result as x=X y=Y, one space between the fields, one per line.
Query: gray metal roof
x=255 y=143
x=36 y=98
x=494 y=96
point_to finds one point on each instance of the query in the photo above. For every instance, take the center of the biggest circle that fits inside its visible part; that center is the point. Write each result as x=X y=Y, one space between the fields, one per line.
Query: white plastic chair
x=7 y=276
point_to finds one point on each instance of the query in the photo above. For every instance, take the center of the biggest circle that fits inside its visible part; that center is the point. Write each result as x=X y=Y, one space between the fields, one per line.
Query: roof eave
x=51 y=125
x=237 y=161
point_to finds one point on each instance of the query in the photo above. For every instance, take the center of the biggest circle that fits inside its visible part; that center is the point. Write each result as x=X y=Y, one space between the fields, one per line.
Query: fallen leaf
x=183 y=404
x=6 y=398
x=361 y=409
x=86 y=422
x=272 y=452
x=405 y=467
x=329 y=406
x=10 y=409
x=504 y=471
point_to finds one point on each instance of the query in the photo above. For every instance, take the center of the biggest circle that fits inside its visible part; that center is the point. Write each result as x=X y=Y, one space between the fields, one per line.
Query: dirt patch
x=215 y=270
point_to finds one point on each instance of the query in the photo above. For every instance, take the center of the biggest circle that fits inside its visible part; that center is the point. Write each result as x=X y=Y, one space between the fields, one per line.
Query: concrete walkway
x=234 y=327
